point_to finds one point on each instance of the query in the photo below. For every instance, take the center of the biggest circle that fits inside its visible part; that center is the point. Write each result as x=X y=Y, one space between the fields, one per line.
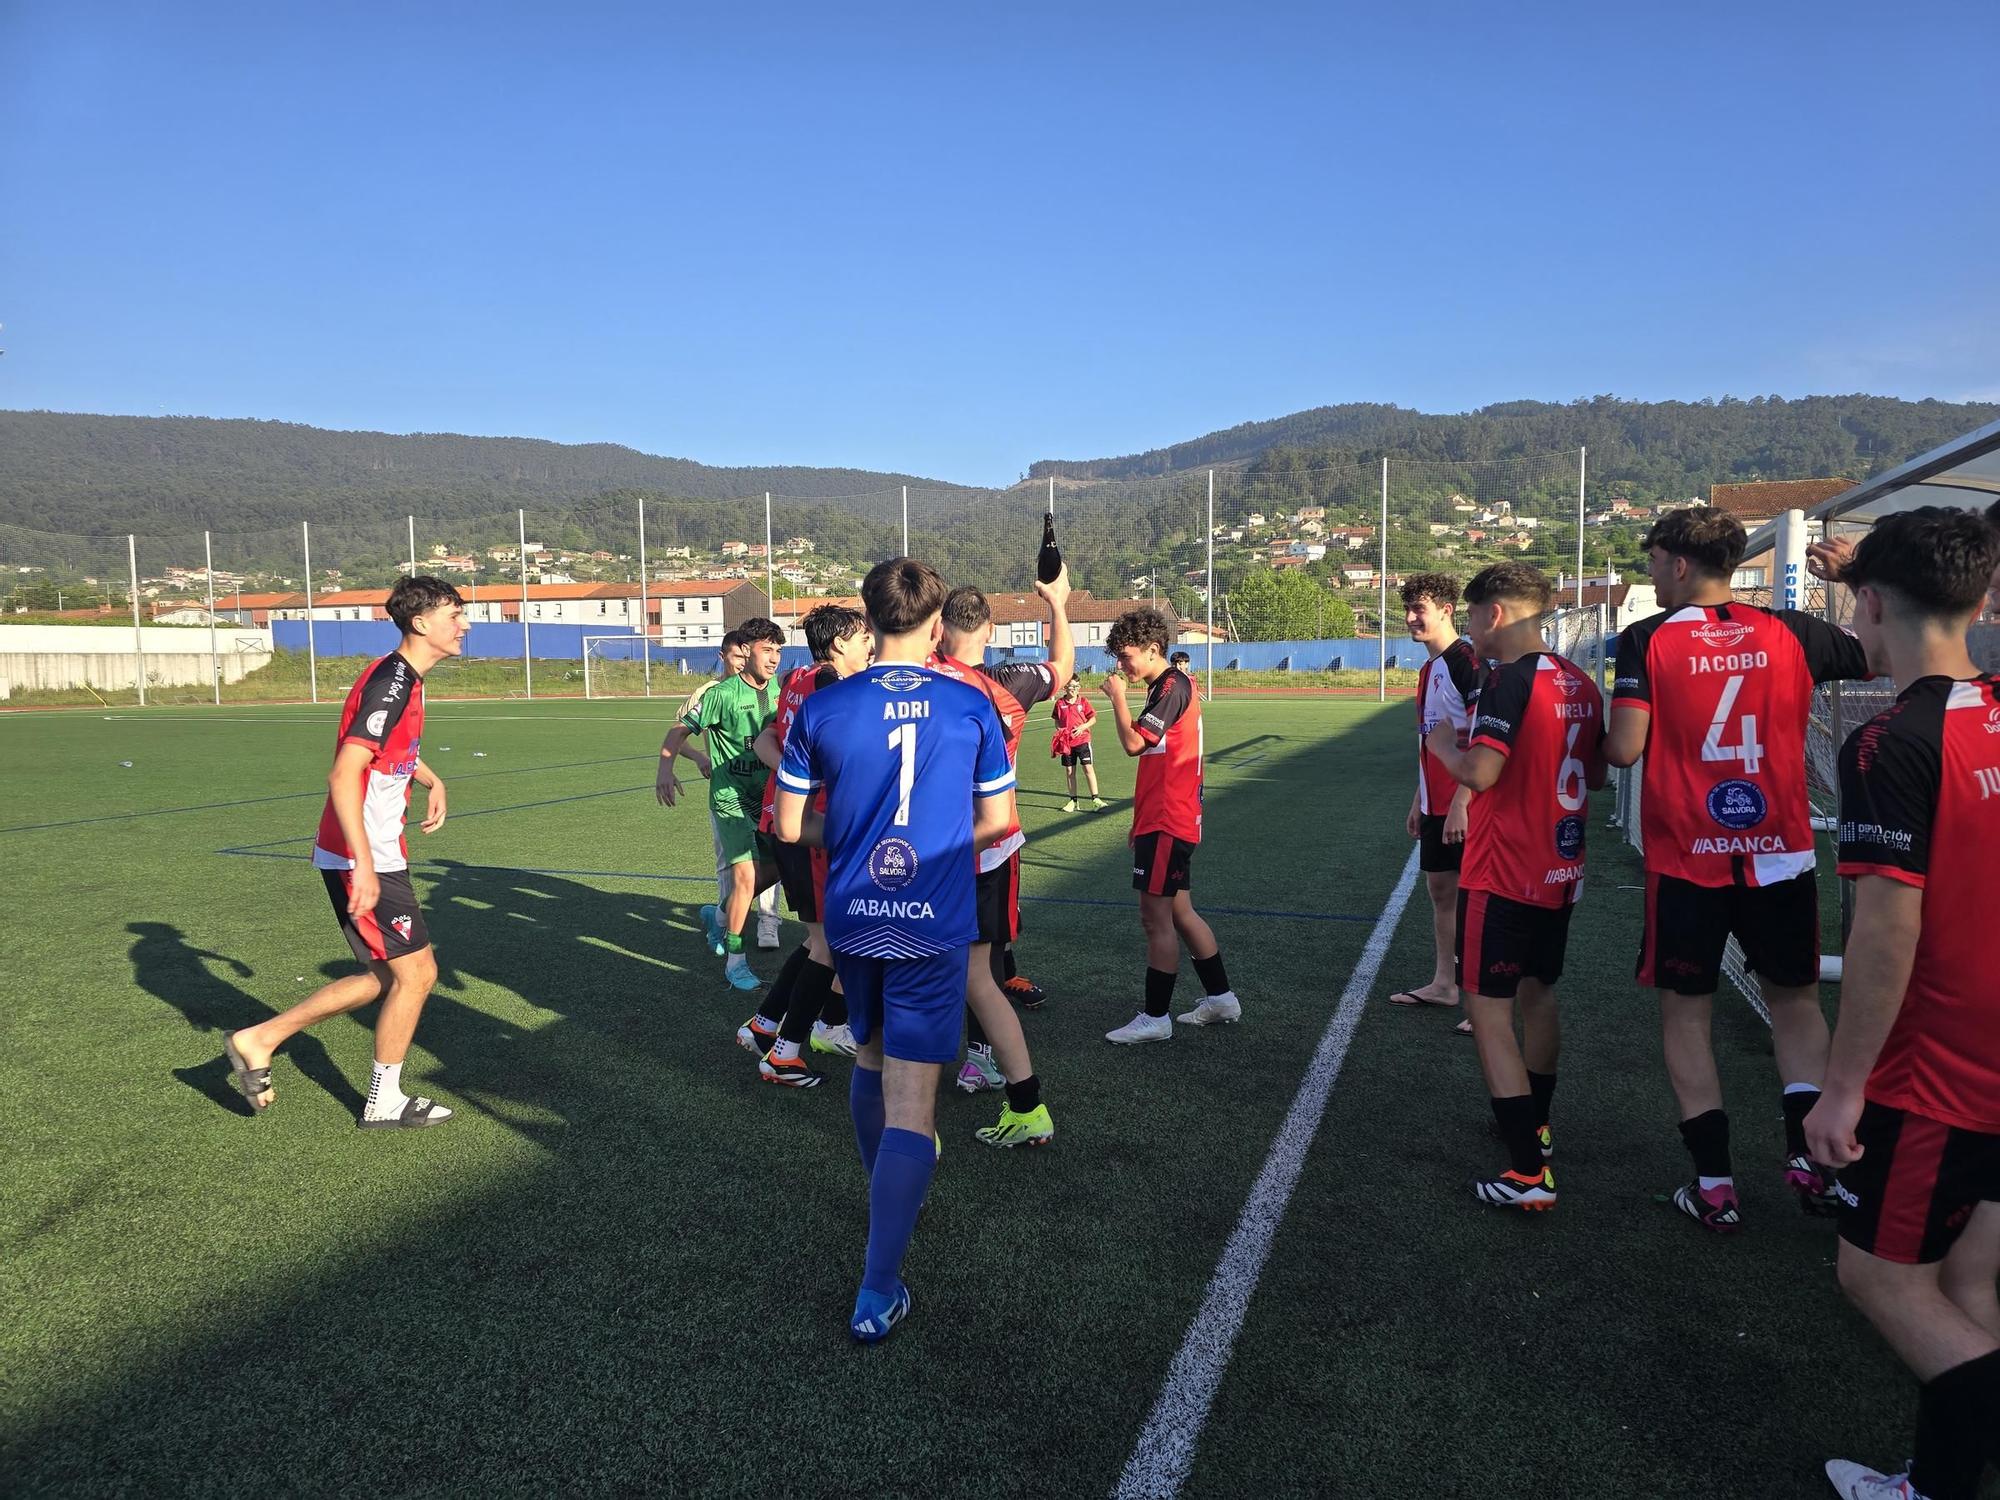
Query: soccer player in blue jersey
x=917 y=779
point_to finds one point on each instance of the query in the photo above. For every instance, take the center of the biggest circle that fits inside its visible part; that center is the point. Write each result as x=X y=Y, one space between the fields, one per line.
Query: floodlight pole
x=413 y=545
x=138 y=635
x=527 y=660
x=906 y=520
x=1382 y=604
x=645 y=650
x=1582 y=455
x=214 y=657
x=770 y=573
x=1211 y=585
x=312 y=651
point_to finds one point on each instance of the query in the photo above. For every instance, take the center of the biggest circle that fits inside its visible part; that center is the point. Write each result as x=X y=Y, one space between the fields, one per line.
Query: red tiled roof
x=1765 y=498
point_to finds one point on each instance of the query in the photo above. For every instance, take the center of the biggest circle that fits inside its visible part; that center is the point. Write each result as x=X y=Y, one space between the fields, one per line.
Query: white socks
x=385 y=1093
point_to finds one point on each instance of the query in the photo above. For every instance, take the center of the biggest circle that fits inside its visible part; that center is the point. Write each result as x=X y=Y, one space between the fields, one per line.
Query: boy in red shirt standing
x=1909 y=1114
x=1166 y=826
x=1071 y=741
x=1536 y=754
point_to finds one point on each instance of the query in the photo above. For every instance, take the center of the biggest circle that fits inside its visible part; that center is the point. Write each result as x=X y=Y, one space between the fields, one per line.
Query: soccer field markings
x=158 y=812
x=1164 y=1453
x=321 y=718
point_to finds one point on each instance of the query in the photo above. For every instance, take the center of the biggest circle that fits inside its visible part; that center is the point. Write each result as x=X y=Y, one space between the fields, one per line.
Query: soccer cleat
x=711 y=930
x=1034 y=1128
x=1025 y=993
x=1712 y=1208
x=1142 y=1028
x=754 y=1040
x=1853 y=1481
x=791 y=1072
x=1814 y=1185
x=834 y=1041
x=1512 y=1190
x=1070 y=806
x=740 y=978
x=979 y=1073
x=1098 y=804
x=1545 y=1138
x=876 y=1316
x=767 y=930
x=1216 y=1010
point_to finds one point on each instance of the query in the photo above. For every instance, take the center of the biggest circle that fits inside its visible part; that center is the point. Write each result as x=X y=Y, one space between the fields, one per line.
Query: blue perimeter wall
x=565 y=643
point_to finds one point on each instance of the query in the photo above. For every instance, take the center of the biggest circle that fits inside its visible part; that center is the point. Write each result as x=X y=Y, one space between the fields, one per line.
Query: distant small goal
x=626 y=666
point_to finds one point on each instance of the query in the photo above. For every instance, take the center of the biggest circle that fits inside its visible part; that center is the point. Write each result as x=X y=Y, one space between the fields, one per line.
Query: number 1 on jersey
x=904 y=737
x=1746 y=749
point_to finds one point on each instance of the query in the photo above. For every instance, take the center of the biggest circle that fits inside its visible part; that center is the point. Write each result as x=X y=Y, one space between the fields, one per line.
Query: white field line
x=447 y=719
x=1164 y=1452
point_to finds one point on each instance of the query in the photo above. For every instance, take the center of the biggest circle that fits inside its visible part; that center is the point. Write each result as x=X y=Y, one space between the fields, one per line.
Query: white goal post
x=624 y=666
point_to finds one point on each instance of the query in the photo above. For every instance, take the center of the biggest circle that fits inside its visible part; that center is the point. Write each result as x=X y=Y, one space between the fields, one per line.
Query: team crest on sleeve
x=378 y=721
x=892 y=864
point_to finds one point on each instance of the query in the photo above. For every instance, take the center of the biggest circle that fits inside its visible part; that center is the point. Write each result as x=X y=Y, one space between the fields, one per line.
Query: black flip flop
x=416 y=1114
x=249 y=1081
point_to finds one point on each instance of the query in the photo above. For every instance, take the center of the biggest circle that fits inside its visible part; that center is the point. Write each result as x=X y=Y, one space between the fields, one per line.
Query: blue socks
x=902 y=1175
x=864 y=1103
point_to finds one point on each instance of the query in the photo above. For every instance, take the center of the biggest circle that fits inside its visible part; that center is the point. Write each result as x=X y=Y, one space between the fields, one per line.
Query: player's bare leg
x=1970 y=1274
x=1090 y=775
x=1500 y=1060
x=1908 y=1306
x=1685 y=1023
x=1527 y=1182
x=1799 y=1035
x=1163 y=944
x=1219 y=1004
x=256 y=1045
x=1442 y=887
x=996 y=1017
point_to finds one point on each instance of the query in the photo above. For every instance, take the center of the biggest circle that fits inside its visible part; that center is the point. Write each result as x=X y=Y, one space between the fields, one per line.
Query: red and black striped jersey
x=1526 y=834
x=1729 y=688
x=800 y=684
x=1447 y=688
x=1168 y=796
x=1013 y=687
x=1920 y=803
x=384 y=711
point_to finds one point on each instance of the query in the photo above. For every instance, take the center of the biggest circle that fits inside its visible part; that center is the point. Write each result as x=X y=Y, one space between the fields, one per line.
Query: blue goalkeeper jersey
x=902 y=753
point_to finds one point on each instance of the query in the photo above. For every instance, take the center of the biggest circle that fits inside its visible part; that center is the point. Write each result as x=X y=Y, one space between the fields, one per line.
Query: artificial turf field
x=627 y=1265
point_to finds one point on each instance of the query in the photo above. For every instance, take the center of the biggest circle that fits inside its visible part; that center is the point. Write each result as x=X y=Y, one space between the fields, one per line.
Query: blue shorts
x=918 y=1004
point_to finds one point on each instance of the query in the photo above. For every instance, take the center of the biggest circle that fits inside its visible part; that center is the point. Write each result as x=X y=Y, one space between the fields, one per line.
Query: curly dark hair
x=1712 y=540
x=757 y=629
x=1440 y=588
x=830 y=623
x=1139 y=627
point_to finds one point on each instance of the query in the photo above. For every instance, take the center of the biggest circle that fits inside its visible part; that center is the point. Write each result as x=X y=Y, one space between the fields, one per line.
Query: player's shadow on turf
x=165 y=964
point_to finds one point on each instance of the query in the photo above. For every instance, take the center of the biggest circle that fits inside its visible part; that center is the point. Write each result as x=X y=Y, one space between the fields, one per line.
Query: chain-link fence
x=1280 y=564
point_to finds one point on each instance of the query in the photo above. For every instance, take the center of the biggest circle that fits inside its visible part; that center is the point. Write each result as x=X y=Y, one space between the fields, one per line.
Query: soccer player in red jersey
x=1716 y=695
x=1910 y=1113
x=365 y=864
x=996 y=1050
x=790 y=1016
x=1536 y=754
x=1074 y=716
x=1166 y=826
x=1446 y=690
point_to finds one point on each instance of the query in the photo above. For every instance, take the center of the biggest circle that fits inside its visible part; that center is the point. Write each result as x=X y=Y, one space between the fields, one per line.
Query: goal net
x=631 y=666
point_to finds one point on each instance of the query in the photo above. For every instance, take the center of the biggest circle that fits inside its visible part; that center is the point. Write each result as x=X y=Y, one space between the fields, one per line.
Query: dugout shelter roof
x=1964 y=472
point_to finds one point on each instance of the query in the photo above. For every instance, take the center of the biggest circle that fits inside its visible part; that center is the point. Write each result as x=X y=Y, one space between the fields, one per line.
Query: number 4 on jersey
x=1746 y=749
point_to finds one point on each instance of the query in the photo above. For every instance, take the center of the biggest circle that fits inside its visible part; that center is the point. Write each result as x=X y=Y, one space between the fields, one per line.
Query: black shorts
x=1080 y=756
x=1161 y=864
x=1502 y=942
x=1688 y=924
x=997 y=895
x=802 y=872
x=394 y=929
x=1912 y=1193
x=1434 y=855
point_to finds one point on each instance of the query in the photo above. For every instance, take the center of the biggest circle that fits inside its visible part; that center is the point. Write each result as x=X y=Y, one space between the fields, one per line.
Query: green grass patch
x=628 y=1264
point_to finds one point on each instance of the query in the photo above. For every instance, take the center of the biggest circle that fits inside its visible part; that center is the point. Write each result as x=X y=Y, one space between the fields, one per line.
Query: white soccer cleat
x=1142 y=1028
x=767 y=930
x=833 y=1040
x=1853 y=1481
x=1216 y=1010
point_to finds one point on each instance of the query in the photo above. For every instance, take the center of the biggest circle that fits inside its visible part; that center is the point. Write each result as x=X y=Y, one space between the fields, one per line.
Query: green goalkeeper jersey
x=732 y=714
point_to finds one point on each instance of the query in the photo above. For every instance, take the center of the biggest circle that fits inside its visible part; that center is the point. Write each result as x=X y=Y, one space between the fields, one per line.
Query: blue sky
x=953 y=240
